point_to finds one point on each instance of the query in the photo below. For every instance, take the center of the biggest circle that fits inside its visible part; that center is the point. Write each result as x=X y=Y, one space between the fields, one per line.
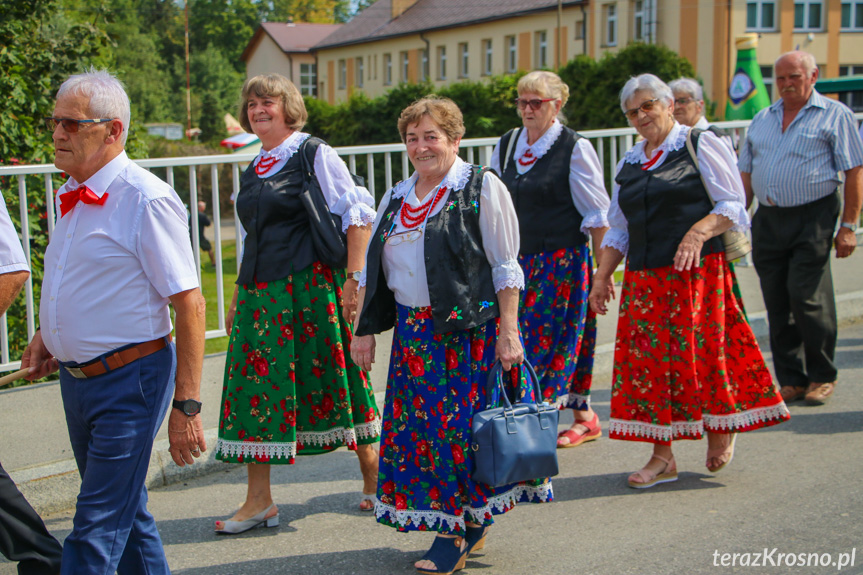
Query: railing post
x=25 y=242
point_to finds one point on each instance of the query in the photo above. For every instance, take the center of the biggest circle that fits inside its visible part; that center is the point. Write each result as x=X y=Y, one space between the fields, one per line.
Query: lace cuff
x=734 y=211
x=358 y=215
x=507 y=275
x=362 y=282
x=617 y=239
x=595 y=219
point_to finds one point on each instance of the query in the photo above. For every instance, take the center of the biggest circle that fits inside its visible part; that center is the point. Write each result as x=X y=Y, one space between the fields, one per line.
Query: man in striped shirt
x=790 y=161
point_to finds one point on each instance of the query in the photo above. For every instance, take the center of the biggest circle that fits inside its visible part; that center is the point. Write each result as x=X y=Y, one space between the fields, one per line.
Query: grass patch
x=208 y=287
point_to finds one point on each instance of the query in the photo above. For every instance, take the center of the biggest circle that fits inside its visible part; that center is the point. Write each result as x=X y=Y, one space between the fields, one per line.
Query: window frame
x=487 y=60
x=388 y=69
x=343 y=74
x=759 y=25
x=610 y=25
x=511 y=54
x=405 y=67
x=807 y=6
x=849 y=98
x=541 y=39
x=441 y=62
x=854 y=6
x=310 y=75
x=638 y=19
x=464 y=60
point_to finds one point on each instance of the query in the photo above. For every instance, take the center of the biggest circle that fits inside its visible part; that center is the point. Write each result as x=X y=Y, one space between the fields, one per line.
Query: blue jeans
x=113 y=419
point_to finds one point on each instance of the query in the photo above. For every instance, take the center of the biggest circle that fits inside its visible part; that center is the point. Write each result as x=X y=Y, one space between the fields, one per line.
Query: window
x=343 y=75
x=852 y=16
x=807 y=15
x=761 y=15
x=308 y=79
x=388 y=69
x=441 y=63
x=579 y=29
x=767 y=76
x=486 y=61
x=541 y=49
x=853 y=100
x=424 y=58
x=638 y=20
x=360 y=72
x=462 y=60
x=610 y=25
x=511 y=54
x=405 y=67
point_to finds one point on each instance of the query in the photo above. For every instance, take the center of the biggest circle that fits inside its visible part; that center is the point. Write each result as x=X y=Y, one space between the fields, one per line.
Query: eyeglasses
x=71 y=125
x=534 y=104
x=644 y=107
x=407 y=237
x=683 y=101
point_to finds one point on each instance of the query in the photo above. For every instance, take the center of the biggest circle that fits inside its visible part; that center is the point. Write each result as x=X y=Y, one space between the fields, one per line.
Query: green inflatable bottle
x=746 y=93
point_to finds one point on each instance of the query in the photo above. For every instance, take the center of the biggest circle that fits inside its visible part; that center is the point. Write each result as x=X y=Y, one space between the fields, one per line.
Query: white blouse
x=718 y=166
x=404 y=263
x=586 y=184
x=353 y=203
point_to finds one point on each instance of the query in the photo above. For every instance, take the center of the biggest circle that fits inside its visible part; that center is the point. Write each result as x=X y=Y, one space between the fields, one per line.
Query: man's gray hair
x=807 y=59
x=107 y=96
x=687 y=86
x=645 y=83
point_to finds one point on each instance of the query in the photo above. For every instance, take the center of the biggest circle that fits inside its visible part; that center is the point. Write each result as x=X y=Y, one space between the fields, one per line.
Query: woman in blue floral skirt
x=442 y=267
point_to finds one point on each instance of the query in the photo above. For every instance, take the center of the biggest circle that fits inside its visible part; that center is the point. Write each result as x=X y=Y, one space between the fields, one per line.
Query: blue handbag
x=513 y=443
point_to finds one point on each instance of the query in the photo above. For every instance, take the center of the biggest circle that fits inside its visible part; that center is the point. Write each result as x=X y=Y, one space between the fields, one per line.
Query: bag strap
x=514 y=134
x=309 y=146
x=690 y=146
x=495 y=379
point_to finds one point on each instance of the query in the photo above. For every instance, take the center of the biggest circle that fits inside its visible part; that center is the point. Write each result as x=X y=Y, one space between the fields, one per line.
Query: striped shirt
x=801 y=165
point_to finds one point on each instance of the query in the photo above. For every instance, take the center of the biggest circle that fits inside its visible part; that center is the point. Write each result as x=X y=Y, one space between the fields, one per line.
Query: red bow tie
x=70 y=199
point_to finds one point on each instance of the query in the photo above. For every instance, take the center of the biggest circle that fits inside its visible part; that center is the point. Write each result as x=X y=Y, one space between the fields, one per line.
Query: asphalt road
x=792 y=489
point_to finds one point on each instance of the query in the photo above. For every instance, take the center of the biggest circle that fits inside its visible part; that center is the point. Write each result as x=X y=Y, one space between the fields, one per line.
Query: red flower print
x=642 y=341
x=288 y=331
x=558 y=362
x=255 y=401
x=416 y=365
x=343 y=393
x=290 y=418
x=262 y=368
x=559 y=254
x=339 y=357
x=328 y=274
x=423 y=447
x=529 y=298
x=283 y=428
x=401 y=501
x=564 y=291
x=477 y=348
x=241 y=434
x=544 y=341
x=434 y=493
x=245 y=348
x=256 y=314
x=262 y=458
x=290 y=288
x=397 y=408
x=457 y=453
x=327 y=402
x=331 y=308
x=418 y=403
x=451 y=359
x=261 y=285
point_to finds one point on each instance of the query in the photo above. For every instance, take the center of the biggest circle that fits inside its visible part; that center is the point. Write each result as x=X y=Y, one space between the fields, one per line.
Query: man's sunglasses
x=534 y=104
x=72 y=126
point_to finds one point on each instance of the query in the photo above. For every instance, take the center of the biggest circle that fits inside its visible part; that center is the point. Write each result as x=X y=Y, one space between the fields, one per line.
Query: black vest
x=278 y=239
x=660 y=206
x=547 y=219
x=459 y=276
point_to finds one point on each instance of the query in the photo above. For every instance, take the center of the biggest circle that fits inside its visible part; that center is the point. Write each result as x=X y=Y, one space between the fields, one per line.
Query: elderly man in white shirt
x=120 y=253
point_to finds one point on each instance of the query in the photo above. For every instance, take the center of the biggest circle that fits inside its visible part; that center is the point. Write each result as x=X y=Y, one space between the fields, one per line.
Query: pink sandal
x=650 y=478
x=728 y=450
x=575 y=438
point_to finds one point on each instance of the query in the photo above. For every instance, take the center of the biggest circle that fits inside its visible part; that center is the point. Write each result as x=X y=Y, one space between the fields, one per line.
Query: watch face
x=191 y=407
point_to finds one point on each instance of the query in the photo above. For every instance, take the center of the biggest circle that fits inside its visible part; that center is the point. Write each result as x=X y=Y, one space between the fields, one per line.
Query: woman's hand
x=349 y=300
x=689 y=251
x=229 y=319
x=601 y=293
x=508 y=348
x=363 y=351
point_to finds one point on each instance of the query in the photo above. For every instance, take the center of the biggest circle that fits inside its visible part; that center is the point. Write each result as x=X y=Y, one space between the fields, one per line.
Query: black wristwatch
x=188 y=406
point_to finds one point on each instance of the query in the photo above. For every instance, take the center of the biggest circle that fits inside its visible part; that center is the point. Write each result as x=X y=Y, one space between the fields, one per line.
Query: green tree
x=313 y=11
x=228 y=24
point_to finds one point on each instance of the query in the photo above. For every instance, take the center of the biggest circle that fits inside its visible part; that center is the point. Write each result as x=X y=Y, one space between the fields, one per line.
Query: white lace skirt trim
x=288 y=449
x=573 y=401
x=746 y=418
x=501 y=502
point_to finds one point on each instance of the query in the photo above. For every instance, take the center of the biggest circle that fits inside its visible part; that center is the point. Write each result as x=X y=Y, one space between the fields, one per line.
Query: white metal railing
x=478 y=150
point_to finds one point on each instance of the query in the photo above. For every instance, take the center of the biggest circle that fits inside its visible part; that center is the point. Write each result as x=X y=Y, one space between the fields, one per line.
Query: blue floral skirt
x=435 y=384
x=557 y=324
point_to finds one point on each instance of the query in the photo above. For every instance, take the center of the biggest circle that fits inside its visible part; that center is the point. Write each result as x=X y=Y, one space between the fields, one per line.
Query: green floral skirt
x=290 y=385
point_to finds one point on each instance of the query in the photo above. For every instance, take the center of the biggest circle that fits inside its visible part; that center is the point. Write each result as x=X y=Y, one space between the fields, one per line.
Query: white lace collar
x=543 y=144
x=675 y=140
x=284 y=150
x=455 y=179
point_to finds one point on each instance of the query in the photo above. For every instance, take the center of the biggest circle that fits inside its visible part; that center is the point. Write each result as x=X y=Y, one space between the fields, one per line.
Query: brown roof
x=291 y=38
x=375 y=22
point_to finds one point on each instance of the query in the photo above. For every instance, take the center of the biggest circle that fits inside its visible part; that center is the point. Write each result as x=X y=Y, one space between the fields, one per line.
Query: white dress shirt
x=404 y=264
x=586 y=183
x=109 y=269
x=12 y=257
x=718 y=167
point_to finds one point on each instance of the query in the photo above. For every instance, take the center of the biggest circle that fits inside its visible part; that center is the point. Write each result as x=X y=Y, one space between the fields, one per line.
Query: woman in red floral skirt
x=686 y=361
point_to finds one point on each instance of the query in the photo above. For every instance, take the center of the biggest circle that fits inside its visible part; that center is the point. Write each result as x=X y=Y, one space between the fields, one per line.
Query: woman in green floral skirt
x=290 y=386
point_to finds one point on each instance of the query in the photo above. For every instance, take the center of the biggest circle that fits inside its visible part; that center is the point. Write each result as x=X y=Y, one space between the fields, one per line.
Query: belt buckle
x=76 y=372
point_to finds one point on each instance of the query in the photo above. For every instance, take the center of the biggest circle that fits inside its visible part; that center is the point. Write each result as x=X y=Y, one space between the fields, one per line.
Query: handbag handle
x=495 y=379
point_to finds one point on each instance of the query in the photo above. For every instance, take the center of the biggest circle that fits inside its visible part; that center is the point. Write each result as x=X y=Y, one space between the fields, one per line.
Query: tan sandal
x=719 y=453
x=650 y=478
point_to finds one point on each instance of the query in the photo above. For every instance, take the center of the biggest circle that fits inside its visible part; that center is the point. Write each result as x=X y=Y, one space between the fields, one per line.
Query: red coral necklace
x=412 y=217
x=265 y=164
x=530 y=158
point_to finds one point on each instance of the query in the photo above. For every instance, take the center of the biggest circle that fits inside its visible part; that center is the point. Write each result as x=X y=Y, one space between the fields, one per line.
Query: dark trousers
x=791 y=251
x=23 y=536
x=113 y=420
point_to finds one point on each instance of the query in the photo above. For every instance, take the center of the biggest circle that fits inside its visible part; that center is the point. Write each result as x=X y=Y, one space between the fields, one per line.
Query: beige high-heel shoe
x=233 y=527
x=650 y=478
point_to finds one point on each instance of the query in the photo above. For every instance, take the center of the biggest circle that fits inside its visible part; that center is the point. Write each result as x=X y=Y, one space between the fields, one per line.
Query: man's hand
x=38 y=359
x=845 y=242
x=186 y=437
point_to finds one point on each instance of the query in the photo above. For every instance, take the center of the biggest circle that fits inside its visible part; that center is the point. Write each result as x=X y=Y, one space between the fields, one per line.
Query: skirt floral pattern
x=557 y=324
x=435 y=384
x=686 y=360
x=290 y=386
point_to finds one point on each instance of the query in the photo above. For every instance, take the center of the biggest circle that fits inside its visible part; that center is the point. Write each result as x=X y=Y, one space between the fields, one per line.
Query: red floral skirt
x=686 y=360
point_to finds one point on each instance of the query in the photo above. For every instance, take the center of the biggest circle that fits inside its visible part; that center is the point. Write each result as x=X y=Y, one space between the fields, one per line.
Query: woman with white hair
x=685 y=359
x=689 y=108
x=557 y=186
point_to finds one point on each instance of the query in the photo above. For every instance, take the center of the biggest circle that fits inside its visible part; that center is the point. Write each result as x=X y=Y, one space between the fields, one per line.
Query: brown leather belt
x=118 y=359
